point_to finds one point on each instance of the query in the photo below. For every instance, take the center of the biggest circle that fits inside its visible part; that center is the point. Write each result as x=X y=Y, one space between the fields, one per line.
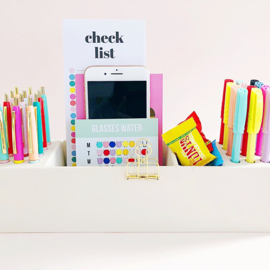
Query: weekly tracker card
x=112 y=142
x=95 y=42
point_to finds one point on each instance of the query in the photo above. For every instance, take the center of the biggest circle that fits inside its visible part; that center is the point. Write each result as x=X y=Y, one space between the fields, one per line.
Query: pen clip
x=14 y=132
x=3 y=137
x=29 y=129
x=23 y=137
x=5 y=118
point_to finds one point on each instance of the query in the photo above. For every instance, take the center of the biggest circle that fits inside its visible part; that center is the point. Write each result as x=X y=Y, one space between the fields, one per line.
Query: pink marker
x=260 y=134
x=266 y=129
x=233 y=96
x=17 y=140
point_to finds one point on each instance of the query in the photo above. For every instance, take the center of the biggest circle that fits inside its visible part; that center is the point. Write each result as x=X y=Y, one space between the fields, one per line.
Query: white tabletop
x=129 y=251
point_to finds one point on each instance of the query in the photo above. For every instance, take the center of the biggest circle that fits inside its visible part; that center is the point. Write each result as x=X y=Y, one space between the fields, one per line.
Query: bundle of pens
x=190 y=145
x=24 y=126
x=245 y=120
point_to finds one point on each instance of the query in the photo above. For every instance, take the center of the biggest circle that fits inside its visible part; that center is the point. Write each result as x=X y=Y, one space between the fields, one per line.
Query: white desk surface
x=127 y=251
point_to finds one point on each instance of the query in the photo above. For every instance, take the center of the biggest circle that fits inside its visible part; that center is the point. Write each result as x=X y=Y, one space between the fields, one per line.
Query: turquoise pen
x=46 y=111
x=240 y=115
x=36 y=105
x=4 y=157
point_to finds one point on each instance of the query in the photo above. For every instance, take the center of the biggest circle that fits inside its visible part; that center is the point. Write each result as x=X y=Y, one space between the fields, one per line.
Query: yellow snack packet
x=187 y=143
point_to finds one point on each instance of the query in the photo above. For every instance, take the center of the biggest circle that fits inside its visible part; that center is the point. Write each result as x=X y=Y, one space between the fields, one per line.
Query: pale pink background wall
x=196 y=44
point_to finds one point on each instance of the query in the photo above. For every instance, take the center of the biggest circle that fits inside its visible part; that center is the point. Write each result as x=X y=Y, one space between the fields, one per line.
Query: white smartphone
x=117 y=92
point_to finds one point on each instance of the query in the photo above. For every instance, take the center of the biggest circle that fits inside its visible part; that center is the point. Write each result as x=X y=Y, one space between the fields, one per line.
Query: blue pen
x=259 y=84
x=240 y=115
x=46 y=111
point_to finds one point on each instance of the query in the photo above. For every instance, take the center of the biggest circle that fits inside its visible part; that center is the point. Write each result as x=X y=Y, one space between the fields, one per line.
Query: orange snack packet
x=187 y=143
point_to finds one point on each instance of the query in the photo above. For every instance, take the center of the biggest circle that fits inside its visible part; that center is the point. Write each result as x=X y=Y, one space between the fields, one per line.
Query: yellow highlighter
x=226 y=114
x=254 y=121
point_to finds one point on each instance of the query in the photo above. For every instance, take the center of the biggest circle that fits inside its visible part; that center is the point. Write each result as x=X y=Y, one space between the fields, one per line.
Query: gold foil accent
x=39 y=94
x=24 y=94
x=16 y=91
x=42 y=90
x=11 y=94
x=30 y=90
x=16 y=103
x=14 y=133
x=29 y=130
x=3 y=137
x=6 y=97
x=30 y=101
x=5 y=118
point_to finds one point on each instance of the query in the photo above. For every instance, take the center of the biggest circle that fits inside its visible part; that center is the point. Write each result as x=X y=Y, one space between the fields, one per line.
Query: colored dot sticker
x=119 y=160
x=73 y=115
x=73 y=147
x=106 y=152
x=143 y=152
x=125 y=144
x=112 y=144
x=72 y=90
x=73 y=109
x=113 y=160
x=118 y=152
x=131 y=143
x=73 y=140
x=99 y=152
x=105 y=144
x=100 y=161
x=71 y=70
x=73 y=159
x=73 y=164
x=73 y=128
x=125 y=152
x=118 y=144
x=72 y=96
x=112 y=152
x=99 y=144
x=106 y=160
x=71 y=83
x=131 y=152
x=125 y=160
x=71 y=76
x=72 y=122
x=131 y=160
x=73 y=134
x=72 y=103
x=73 y=153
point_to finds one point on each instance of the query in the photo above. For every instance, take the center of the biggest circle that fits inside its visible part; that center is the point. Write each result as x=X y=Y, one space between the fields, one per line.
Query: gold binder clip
x=143 y=150
x=29 y=130
x=2 y=132
x=14 y=133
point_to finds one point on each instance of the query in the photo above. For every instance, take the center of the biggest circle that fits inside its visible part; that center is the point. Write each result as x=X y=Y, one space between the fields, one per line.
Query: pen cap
x=42 y=90
x=227 y=102
x=11 y=94
x=234 y=90
x=16 y=102
x=243 y=85
x=30 y=91
x=259 y=84
x=252 y=82
x=223 y=96
x=240 y=111
x=6 y=97
x=238 y=82
x=266 y=119
x=255 y=111
x=16 y=91
x=24 y=94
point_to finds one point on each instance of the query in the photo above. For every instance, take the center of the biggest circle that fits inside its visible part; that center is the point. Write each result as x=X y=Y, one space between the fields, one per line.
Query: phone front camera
x=105 y=73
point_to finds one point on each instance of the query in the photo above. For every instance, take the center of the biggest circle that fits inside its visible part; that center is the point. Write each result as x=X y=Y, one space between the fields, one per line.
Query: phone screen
x=117 y=99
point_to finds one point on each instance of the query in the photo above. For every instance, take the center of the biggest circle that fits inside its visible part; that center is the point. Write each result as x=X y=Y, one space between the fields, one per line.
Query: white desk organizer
x=53 y=198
